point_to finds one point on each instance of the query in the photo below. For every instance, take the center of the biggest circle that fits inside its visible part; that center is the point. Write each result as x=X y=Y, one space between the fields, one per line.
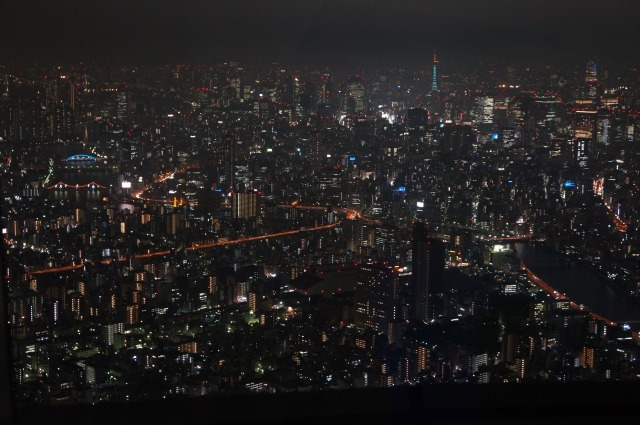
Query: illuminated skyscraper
x=434 y=81
x=591 y=80
x=416 y=361
x=122 y=103
x=354 y=101
x=133 y=314
x=482 y=111
x=592 y=72
x=427 y=272
x=109 y=332
x=581 y=149
x=244 y=205
x=376 y=298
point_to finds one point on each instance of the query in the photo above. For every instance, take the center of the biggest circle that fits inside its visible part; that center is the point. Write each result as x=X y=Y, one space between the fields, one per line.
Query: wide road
x=195 y=247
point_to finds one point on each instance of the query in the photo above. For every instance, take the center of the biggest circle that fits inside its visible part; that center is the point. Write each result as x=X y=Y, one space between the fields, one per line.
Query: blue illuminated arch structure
x=81 y=157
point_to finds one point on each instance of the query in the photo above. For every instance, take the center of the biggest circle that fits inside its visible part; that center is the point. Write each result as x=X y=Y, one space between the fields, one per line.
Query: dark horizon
x=313 y=32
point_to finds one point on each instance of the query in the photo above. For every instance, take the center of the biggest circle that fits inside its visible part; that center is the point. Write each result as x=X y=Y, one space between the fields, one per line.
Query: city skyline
x=194 y=230
x=231 y=197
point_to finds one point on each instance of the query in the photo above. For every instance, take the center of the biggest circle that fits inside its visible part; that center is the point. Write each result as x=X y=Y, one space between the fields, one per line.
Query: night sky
x=327 y=31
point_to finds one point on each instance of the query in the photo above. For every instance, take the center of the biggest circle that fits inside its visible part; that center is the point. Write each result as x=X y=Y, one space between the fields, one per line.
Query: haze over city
x=303 y=31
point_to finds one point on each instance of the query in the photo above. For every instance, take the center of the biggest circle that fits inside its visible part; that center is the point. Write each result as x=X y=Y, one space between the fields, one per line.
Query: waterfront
x=579 y=283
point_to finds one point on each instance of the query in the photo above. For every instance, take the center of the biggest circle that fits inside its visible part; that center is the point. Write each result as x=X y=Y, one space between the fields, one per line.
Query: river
x=580 y=283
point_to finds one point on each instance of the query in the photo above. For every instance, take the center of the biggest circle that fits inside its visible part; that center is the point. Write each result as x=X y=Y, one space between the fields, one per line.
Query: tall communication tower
x=434 y=82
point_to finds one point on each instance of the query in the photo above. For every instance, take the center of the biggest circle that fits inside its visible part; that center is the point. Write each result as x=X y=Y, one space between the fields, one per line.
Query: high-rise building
x=482 y=113
x=61 y=121
x=109 y=332
x=355 y=95
x=209 y=200
x=376 y=297
x=587 y=359
x=591 y=80
x=358 y=235
x=417 y=121
x=122 y=103
x=581 y=149
x=456 y=139
x=476 y=361
x=133 y=314
x=174 y=222
x=223 y=157
x=591 y=75
x=584 y=122
x=427 y=274
x=416 y=361
x=244 y=205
